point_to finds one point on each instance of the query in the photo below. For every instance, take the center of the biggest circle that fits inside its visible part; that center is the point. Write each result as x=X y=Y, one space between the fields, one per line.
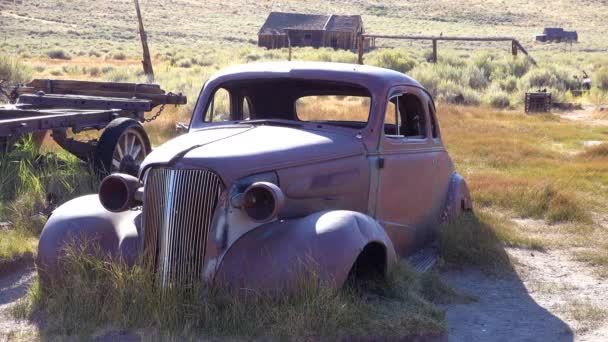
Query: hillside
x=30 y=26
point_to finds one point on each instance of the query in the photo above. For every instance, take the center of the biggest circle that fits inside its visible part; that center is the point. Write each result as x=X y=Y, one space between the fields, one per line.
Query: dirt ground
x=546 y=297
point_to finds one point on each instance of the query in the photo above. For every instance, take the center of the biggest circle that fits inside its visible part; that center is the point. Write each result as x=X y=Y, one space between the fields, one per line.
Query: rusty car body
x=257 y=195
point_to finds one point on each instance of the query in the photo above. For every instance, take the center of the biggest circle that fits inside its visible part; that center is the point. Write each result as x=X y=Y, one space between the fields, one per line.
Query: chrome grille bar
x=177 y=215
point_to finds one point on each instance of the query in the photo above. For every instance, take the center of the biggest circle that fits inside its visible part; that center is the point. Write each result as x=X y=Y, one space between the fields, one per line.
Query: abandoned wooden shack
x=337 y=31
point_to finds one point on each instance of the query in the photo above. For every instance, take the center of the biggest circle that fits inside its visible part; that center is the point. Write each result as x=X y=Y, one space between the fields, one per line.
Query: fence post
x=514 y=48
x=360 y=49
x=289 y=44
x=434 y=57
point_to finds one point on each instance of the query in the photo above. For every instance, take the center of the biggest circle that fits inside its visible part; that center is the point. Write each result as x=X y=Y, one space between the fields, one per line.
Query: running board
x=423 y=260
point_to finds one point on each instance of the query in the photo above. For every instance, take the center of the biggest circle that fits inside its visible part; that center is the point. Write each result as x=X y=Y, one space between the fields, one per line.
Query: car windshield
x=287 y=99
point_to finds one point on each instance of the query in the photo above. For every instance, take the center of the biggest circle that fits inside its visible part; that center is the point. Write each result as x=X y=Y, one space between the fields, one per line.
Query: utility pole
x=147 y=62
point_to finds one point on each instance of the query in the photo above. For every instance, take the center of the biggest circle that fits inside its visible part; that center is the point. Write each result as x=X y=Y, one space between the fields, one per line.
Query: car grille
x=177 y=214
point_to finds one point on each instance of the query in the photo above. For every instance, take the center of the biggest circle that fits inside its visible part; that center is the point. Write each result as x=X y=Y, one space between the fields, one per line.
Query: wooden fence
x=515 y=45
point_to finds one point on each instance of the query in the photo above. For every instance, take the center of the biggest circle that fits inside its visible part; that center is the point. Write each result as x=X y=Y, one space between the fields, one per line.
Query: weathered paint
x=344 y=188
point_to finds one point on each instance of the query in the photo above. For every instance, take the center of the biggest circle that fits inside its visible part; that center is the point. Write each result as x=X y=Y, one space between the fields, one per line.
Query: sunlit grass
x=97 y=293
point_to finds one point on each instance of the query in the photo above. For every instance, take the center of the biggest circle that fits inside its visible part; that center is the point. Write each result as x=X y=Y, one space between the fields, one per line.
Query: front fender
x=278 y=255
x=84 y=219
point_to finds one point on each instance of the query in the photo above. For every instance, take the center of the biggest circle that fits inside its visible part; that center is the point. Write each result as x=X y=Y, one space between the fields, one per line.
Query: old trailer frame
x=62 y=105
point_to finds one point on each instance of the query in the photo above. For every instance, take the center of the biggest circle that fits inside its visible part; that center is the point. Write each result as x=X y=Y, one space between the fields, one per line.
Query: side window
x=434 y=127
x=405 y=118
x=219 y=109
x=391 y=119
x=413 y=117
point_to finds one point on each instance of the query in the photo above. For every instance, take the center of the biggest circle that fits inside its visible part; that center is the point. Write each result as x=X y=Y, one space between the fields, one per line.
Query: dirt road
x=14 y=286
x=547 y=296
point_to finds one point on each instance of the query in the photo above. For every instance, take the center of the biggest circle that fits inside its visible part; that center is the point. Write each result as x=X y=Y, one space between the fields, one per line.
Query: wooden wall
x=314 y=38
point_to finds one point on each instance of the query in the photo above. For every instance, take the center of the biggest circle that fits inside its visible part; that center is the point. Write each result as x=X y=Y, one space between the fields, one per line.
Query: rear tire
x=122 y=147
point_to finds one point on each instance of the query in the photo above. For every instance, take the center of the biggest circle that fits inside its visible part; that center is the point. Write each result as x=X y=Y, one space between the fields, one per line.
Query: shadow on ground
x=504 y=310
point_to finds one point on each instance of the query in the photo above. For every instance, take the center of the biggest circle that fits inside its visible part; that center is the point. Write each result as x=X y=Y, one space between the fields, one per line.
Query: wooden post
x=434 y=57
x=514 y=48
x=147 y=62
x=289 y=44
x=360 y=49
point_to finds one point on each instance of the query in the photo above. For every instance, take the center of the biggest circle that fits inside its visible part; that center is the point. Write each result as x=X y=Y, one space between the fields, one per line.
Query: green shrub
x=600 y=78
x=519 y=66
x=119 y=56
x=477 y=78
x=393 y=59
x=184 y=63
x=58 y=54
x=450 y=92
x=498 y=99
x=94 y=71
x=508 y=84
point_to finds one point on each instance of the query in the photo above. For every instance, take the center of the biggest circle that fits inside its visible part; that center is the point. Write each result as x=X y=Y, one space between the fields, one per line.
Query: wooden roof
x=279 y=22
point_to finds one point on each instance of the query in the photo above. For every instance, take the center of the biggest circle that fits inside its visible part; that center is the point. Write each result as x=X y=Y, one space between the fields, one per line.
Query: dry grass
x=588 y=315
x=97 y=294
x=350 y=108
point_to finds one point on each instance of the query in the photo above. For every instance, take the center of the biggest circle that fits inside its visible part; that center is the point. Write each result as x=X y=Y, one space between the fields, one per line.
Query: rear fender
x=277 y=255
x=458 y=199
x=85 y=220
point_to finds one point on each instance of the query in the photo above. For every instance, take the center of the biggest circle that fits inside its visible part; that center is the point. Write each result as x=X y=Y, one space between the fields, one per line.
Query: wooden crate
x=538 y=102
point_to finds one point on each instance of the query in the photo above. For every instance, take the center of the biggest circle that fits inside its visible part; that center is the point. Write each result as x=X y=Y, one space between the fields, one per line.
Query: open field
x=539 y=183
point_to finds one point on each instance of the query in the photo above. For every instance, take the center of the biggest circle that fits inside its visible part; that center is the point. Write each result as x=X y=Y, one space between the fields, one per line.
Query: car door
x=405 y=188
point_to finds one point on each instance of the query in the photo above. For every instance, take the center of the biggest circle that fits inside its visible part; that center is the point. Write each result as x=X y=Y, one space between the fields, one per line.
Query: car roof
x=364 y=75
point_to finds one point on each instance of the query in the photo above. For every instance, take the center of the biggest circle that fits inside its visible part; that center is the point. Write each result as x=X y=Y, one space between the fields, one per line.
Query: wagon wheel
x=122 y=147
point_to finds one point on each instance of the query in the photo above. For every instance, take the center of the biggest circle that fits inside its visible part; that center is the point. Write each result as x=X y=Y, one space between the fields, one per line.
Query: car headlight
x=262 y=201
x=259 y=196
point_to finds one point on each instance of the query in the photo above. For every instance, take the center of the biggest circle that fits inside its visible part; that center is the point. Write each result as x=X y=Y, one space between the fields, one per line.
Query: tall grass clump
x=392 y=59
x=600 y=78
x=472 y=240
x=542 y=200
x=58 y=54
x=13 y=71
x=31 y=186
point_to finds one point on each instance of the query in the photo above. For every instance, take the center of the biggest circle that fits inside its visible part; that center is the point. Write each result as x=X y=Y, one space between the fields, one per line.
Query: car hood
x=237 y=151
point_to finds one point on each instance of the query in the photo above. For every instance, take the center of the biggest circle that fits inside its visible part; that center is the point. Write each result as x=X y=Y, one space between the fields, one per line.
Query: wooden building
x=557 y=34
x=336 y=31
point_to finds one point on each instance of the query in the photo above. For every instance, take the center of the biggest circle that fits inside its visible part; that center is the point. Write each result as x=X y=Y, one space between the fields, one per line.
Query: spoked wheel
x=122 y=147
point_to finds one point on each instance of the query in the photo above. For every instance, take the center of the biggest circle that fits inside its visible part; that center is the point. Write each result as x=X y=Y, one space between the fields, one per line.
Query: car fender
x=278 y=255
x=458 y=199
x=85 y=220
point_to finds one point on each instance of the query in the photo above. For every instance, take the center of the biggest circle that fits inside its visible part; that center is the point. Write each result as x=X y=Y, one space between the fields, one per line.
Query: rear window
x=333 y=108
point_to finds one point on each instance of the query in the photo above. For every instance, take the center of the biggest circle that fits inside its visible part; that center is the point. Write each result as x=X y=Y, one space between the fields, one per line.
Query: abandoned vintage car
x=285 y=167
